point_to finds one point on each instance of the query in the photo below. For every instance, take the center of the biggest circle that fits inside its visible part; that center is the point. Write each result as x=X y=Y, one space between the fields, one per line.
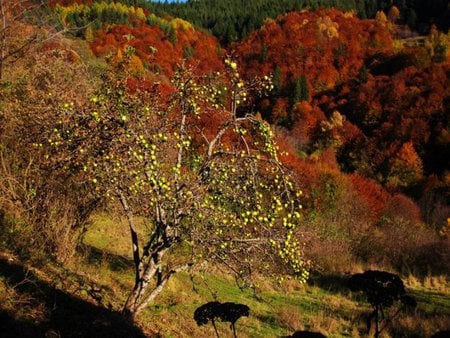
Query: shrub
x=46 y=207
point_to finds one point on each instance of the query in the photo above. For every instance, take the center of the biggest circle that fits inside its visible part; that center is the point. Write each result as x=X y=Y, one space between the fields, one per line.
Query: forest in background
x=232 y=20
x=358 y=110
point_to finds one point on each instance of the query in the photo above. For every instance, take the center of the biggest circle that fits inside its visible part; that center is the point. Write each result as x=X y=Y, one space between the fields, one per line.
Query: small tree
x=208 y=180
x=406 y=168
x=50 y=201
x=300 y=89
x=227 y=312
x=382 y=290
x=393 y=14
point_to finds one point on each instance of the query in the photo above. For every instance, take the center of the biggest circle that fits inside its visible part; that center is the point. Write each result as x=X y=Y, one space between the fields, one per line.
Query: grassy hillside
x=84 y=297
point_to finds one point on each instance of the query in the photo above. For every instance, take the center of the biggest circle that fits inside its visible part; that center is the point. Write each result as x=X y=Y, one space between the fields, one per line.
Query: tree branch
x=161 y=283
x=134 y=237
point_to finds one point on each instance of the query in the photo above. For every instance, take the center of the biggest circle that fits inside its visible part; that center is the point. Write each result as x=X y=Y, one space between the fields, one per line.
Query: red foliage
x=401 y=206
x=372 y=193
x=327 y=46
x=351 y=133
x=386 y=112
x=160 y=55
x=53 y=3
x=307 y=120
x=328 y=160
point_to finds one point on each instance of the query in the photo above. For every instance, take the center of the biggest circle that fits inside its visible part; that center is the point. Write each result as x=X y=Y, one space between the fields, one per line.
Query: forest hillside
x=157 y=157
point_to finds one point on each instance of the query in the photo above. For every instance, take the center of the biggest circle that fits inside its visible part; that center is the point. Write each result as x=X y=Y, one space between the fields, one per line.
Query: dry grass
x=439 y=283
x=290 y=318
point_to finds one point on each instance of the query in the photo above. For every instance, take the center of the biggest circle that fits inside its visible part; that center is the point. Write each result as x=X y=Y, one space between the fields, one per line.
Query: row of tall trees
x=232 y=20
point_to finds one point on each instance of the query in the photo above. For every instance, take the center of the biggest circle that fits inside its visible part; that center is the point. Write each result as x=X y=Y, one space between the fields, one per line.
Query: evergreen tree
x=363 y=74
x=277 y=80
x=300 y=91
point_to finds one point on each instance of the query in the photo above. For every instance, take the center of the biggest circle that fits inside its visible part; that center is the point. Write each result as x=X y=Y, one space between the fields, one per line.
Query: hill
x=84 y=297
x=231 y=20
x=139 y=156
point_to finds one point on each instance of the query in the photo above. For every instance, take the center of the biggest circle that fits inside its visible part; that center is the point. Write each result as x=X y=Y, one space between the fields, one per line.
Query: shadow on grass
x=333 y=283
x=269 y=320
x=432 y=302
x=12 y=327
x=115 y=262
x=65 y=315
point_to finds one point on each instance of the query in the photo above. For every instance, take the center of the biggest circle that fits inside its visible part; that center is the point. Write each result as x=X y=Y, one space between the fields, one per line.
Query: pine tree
x=301 y=90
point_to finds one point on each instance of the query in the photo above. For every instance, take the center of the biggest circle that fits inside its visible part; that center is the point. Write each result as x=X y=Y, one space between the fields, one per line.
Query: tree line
x=231 y=20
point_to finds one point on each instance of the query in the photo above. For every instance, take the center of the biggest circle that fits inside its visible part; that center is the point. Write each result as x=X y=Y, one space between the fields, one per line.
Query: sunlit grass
x=276 y=310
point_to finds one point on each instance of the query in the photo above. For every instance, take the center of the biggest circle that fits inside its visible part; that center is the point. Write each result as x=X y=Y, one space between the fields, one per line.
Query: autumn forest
x=155 y=153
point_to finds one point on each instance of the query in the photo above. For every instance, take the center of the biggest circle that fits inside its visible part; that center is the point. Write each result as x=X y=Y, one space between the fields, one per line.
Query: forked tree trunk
x=150 y=277
x=147 y=266
x=140 y=297
x=145 y=292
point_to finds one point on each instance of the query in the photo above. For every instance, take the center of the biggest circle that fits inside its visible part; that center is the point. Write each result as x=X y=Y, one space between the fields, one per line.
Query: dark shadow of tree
x=330 y=282
x=66 y=315
x=13 y=327
x=115 y=262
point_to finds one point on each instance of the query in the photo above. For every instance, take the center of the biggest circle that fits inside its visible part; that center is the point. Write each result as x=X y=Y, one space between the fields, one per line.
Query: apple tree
x=192 y=159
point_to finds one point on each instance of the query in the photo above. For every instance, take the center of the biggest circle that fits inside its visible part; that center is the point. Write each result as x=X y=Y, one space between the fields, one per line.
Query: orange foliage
x=307 y=120
x=326 y=45
x=155 y=50
x=406 y=168
x=372 y=193
x=279 y=110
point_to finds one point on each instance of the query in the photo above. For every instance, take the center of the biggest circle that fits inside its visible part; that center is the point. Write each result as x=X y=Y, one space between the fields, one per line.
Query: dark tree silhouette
x=231 y=312
x=226 y=312
x=382 y=289
x=306 y=334
x=205 y=313
x=441 y=334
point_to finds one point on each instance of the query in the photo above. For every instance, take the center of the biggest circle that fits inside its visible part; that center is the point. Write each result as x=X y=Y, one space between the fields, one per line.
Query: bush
x=45 y=208
x=431 y=258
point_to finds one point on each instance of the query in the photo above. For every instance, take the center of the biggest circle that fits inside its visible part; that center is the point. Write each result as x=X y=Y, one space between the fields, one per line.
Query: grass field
x=84 y=298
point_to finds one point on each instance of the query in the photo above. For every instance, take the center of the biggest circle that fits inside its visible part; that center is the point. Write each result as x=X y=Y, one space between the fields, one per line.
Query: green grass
x=276 y=310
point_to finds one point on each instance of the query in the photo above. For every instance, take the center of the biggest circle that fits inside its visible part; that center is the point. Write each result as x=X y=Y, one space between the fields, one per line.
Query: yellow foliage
x=350 y=14
x=328 y=27
x=406 y=168
x=180 y=24
x=119 y=56
x=89 y=34
x=381 y=18
x=140 y=14
x=445 y=230
x=97 y=8
x=136 y=65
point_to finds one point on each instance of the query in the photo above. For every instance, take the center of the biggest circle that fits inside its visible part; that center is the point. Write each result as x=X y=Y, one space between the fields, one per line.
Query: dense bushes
x=45 y=207
x=390 y=234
